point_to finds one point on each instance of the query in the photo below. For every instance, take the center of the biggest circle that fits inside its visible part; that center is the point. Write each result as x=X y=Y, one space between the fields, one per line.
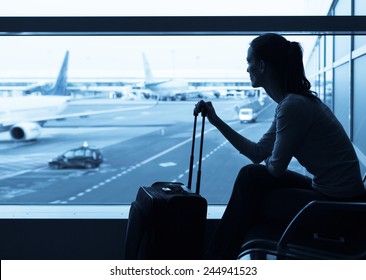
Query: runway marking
x=167 y=164
x=173 y=148
x=11 y=164
x=133 y=167
x=217 y=148
x=180 y=176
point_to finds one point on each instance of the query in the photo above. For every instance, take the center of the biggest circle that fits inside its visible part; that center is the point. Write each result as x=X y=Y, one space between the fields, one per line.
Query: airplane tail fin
x=149 y=78
x=60 y=87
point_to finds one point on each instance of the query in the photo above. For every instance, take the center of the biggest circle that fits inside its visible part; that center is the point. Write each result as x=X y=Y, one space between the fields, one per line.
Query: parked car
x=82 y=157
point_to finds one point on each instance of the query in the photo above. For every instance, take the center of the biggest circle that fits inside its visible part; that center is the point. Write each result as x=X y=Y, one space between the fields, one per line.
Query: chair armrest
x=326 y=230
x=258 y=247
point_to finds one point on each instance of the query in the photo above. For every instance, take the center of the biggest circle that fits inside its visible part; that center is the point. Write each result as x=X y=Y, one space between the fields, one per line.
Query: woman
x=304 y=128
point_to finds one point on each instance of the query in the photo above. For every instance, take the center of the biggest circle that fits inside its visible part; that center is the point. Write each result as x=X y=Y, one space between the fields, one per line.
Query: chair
x=337 y=232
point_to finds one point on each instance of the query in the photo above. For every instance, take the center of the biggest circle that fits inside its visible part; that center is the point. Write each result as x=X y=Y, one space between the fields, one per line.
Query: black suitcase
x=167 y=220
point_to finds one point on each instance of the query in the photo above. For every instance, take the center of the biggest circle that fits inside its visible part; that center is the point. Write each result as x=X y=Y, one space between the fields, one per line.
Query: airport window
x=360 y=10
x=328 y=98
x=360 y=7
x=329 y=50
x=342 y=43
x=359 y=129
x=360 y=41
x=311 y=64
x=146 y=135
x=342 y=94
x=143 y=132
x=343 y=8
x=320 y=89
x=341 y=47
x=166 y=8
x=321 y=52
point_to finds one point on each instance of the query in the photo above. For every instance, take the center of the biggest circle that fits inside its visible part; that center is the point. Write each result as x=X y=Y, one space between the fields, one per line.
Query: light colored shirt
x=306 y=129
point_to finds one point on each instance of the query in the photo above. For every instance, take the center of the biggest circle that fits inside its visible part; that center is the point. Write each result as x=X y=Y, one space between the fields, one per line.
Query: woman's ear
x=261 y=66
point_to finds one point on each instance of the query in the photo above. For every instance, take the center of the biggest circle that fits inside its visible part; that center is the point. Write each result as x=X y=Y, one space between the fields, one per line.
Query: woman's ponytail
x=296 y=80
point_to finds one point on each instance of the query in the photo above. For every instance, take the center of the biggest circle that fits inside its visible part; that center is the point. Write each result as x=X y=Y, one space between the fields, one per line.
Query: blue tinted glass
x=359 y=129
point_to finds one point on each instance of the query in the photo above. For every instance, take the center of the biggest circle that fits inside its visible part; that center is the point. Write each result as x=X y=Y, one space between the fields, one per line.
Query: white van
x=247 y=115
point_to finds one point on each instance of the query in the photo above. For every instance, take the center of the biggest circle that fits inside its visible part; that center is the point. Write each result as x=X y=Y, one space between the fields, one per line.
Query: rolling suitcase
x=167 y=220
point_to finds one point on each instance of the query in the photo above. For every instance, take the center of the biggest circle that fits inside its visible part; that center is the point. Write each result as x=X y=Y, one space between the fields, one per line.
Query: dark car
x=83 y=157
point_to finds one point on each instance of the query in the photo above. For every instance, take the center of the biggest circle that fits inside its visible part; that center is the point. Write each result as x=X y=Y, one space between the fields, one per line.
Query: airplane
x=171 y=89
x=23 y=116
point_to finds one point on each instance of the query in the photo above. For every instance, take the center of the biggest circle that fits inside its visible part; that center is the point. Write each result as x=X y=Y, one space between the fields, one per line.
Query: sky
x=120 y=56
x=114 y=56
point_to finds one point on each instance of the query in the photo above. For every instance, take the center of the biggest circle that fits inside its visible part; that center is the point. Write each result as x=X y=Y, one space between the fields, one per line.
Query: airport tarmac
x=139 y=148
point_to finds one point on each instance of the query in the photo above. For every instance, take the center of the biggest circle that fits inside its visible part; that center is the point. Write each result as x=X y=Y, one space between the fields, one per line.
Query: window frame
x=182 y=25
x=160 y=26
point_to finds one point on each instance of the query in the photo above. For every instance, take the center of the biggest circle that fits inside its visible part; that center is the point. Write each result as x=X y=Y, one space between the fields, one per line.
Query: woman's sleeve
x=257 y=152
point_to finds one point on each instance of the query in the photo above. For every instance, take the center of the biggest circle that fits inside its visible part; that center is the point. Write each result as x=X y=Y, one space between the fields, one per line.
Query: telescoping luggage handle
x=198 y=182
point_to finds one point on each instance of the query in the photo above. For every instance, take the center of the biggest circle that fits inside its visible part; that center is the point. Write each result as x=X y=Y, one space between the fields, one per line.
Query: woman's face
x=254 y=69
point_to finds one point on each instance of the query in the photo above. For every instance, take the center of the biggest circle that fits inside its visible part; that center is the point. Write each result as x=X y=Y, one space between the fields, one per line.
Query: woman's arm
x=293 y=119
x=256 y=152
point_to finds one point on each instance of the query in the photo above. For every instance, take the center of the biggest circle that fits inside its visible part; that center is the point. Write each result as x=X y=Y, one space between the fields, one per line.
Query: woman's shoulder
x=298 y=101
x=293 y=97
x=293 y=100
x=298 y=106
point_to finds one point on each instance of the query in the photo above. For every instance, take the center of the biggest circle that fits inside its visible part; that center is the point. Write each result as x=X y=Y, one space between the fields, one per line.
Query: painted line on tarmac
x=124 y=172
x=217 y=148
x=133 y=167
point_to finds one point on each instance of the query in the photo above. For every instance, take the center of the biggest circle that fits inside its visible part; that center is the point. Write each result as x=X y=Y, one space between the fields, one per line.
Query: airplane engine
x=25 y=131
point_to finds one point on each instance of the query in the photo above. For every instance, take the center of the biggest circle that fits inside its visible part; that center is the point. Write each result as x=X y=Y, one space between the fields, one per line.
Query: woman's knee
x=253 y=170
x=251 y=176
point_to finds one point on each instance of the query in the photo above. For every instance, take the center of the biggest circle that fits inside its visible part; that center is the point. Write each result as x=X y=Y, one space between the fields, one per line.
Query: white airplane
x=171 y=89
x=24 y=116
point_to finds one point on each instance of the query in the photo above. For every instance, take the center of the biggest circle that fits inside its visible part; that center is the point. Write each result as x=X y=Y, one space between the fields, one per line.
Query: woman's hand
x=207 y=109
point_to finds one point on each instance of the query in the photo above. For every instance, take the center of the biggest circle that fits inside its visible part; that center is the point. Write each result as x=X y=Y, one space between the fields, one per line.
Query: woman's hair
x=285 y=59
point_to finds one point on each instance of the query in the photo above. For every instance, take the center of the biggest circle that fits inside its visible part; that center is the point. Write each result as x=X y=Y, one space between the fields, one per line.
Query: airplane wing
x=84 y=114
x=33 y=87
x=93 y=113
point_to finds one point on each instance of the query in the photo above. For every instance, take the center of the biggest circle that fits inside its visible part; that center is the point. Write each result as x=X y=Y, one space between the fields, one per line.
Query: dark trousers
x=258 y=195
